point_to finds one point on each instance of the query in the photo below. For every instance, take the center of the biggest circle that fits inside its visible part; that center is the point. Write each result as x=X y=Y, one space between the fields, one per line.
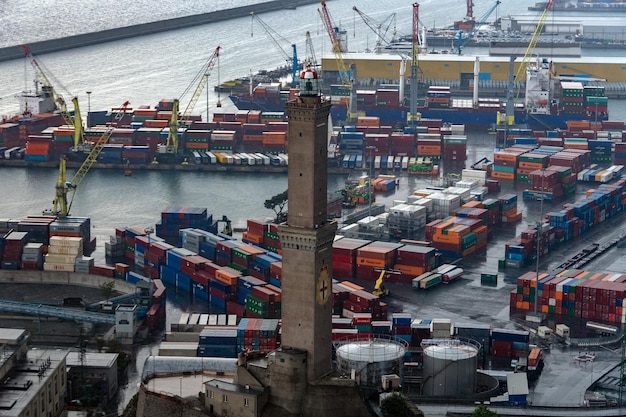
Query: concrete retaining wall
x=75 y=41
x=68 y=278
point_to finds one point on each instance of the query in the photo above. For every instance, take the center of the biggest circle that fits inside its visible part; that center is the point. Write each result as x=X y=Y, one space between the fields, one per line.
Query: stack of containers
x=474 y=175
x=141 y=115
x=276 y=273
x=258 y=334
x=264 y=302
x=441 y=328
x=223 y=140
x=406 y=220
x=255 y=232
x=271 y=241
x=362 y=322
x=111 y=154
x=351 y=142
x=620 y=153
x=32 y=256
x=224 y=251
x=170 y=272
x=508 y=206
x=414 y=260
x=252 y=137
x=272 y=116
x=174 y=218
x=373 y=256
x=75 y=227
x=244 y=287
x=137 y=154
x=208 y=247
x=429 y=144
x=454 y=239
x=401 y=327
x=601 y=150
x=361 y=301
x=506 y=343
x=572 y=293
x=494 y=211
x=388 y=98
x=121 y=136
x=505 y=163
x=62 y=253
x=218 y=342
x=197 y=139
x=274 y=142
x=84 y=264
x=150 y=137
x=38 y=228
x=438 y=97
x=454 y=148
x=366 y=122
x=463 y=193
x=444 y=204
x=528 y=163
x=420 y=330
x=9 y=134
x=344 y=257
x=376 y=144
x=242 y=257
x=14 y=244
x=547 y=183
x=192 y=238
x=575 y=159
x=37 y=148
x=596 y=103
x=402 y=144
x=572 y=97
x=219 y=295
x=154 y=256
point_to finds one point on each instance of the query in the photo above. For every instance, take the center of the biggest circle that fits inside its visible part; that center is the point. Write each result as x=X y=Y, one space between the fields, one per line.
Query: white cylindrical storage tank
x=449 y=368
x=368 y=360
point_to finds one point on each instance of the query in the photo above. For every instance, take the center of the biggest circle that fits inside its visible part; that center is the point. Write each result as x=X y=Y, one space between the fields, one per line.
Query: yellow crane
x=199 y=82
x=60 y=205
x=348 y=77
x=44 y=79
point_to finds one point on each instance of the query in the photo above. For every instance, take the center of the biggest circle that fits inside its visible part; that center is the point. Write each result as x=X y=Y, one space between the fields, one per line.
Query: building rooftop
x=227 y=386
x=92 y=359
x=12 y=336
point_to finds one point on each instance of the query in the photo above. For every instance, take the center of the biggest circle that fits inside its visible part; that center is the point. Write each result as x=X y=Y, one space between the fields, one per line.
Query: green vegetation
x=483 y=411
x=277 y=204
x=395 y=406
x=107 y=289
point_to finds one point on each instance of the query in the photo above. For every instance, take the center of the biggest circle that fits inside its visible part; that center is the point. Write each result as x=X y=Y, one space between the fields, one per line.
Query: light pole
x=543 y=176
x=88 y=107
x=371 y=161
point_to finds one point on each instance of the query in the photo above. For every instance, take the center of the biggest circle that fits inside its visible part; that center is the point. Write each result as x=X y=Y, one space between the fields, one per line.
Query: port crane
x=377 y=27
x=344 y=73
x=413 y=116
x=462 y=41
x=274 y=36
x=199 y=81
x=60 y=205
x=60 y=102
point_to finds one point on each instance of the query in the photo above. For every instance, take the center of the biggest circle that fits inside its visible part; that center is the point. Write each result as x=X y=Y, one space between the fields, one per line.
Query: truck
x=449 y=272
x=426 y=280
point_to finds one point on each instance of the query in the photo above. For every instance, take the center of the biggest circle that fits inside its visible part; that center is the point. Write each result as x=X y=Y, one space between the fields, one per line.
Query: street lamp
x=371 y=161
x=539 y=227
x=88 y=107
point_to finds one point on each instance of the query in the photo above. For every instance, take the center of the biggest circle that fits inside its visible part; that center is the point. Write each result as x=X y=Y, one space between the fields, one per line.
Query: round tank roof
x=450 y=352
x=371 y=351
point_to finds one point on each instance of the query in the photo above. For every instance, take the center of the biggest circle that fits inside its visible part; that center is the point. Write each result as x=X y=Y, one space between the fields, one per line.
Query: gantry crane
x=377 y=27
x=199 y=82
x=60 y=205
x=44 y=77
x=344 y=74
x=275 y=36
x=530 y=50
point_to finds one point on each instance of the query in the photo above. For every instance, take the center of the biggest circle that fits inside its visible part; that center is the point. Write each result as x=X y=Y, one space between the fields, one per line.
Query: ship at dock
x=578 y=98
x=608 y=6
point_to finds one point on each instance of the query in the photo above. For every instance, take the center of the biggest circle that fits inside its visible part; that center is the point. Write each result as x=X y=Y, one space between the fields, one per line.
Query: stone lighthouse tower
x=307 y=237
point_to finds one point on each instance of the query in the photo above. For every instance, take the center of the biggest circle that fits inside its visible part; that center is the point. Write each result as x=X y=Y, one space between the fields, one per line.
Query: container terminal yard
x=533 y=226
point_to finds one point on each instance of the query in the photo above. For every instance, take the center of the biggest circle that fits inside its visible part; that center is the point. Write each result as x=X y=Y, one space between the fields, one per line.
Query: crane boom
x=414 y=63
x=60 y=204
x=463 y=41
x=59 y=101
x=331 y=29
x=275 y=36
x=533 y=41
x=199 y=82
x=378 y=27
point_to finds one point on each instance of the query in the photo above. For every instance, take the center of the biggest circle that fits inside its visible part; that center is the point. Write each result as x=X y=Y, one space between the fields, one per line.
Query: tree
x=483 y=411
x=107 y=289
x=277 y=204
x=394 y=405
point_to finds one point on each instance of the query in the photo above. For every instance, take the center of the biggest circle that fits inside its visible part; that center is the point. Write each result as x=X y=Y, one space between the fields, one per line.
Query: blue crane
x=461 y=40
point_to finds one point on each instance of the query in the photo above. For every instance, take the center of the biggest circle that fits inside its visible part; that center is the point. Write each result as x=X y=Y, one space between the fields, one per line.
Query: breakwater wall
x=109 y=35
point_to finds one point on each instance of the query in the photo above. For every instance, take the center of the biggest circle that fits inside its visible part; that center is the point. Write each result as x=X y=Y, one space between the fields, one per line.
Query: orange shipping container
x=155 y=123
x=503 y=175
x=377 y=263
